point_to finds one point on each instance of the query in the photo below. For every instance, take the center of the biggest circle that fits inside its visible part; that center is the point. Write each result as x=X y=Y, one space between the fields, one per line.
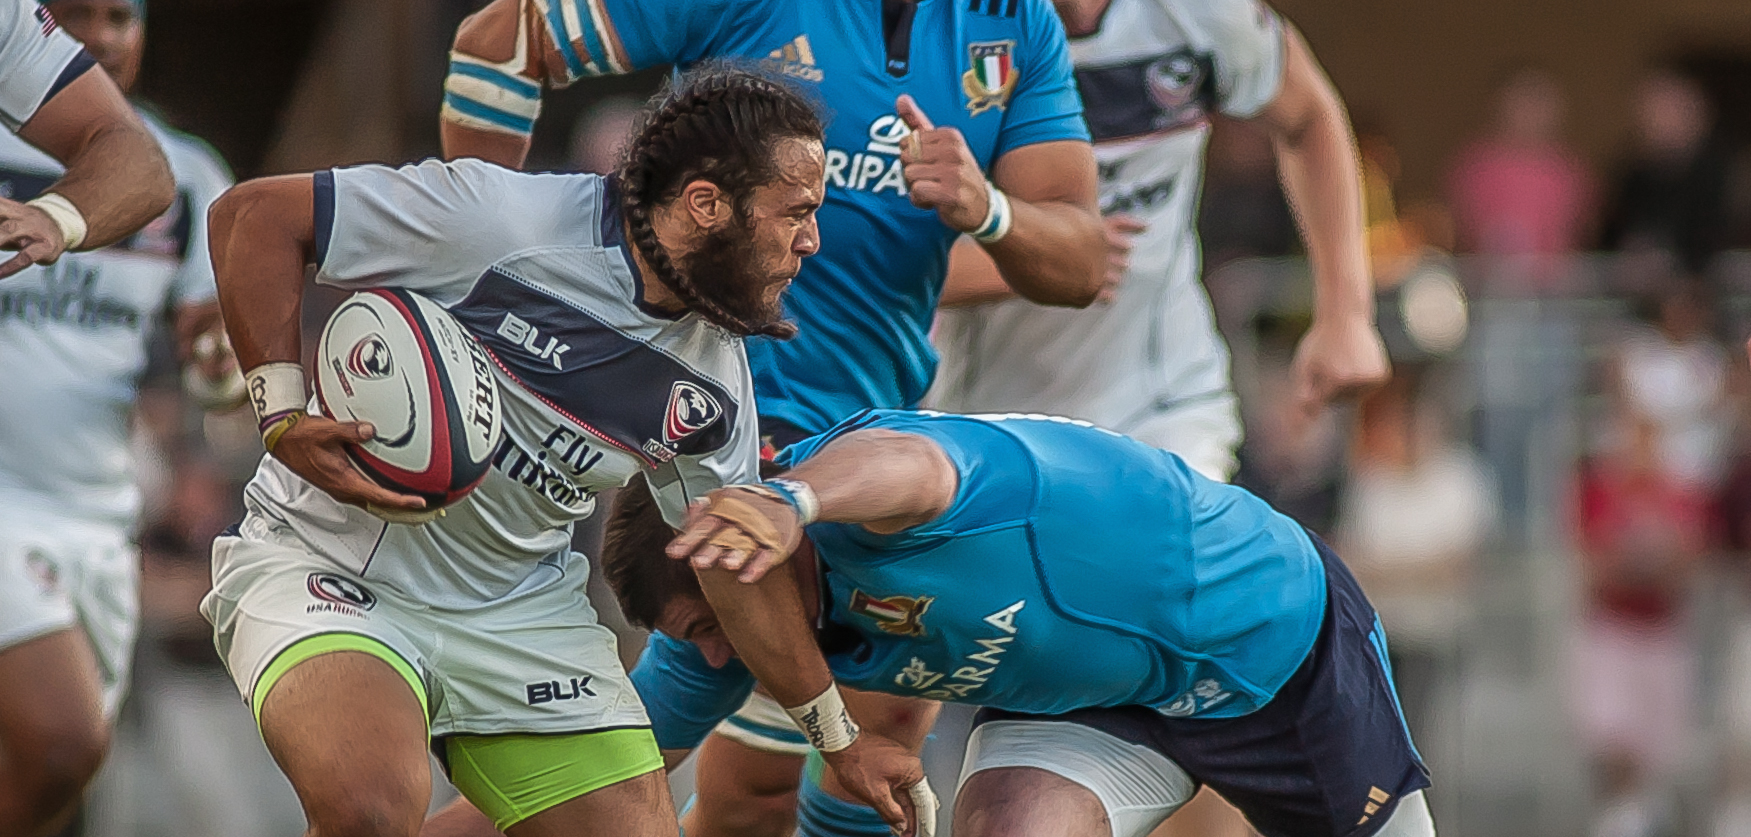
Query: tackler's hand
x=940 y=170
x=887 y=777
x=746 y=529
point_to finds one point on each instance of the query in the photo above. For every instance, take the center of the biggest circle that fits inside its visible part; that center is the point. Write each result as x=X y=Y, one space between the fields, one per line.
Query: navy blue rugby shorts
x=1328 y=756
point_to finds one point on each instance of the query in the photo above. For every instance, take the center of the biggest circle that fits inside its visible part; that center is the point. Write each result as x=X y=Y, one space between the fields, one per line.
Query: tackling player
x=1151 y=365
x=116 y=178
x=949 y=117
x=1132 y=628
x=74 y=336
x=358 y=642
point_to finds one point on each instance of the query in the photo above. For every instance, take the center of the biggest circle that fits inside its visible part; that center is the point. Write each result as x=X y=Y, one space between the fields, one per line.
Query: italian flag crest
x=902 y=615
x=992 y=77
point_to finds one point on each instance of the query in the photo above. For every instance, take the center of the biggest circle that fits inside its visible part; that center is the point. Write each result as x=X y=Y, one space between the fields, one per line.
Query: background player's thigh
x=53 y=733
x=743 y=791
x=350 y=733
x=637 y=807
x=1028 y=802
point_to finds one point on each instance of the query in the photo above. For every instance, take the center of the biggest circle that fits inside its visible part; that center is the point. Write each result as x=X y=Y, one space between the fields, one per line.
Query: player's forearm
x=1319 y=166
x=885 y=480
x=506 y=149
x=1054 y=254
x=261 y=234
x=116 y=174
x=766 y=623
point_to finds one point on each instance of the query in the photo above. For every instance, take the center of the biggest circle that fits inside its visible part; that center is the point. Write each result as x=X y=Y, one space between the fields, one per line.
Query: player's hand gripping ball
x=400 y=363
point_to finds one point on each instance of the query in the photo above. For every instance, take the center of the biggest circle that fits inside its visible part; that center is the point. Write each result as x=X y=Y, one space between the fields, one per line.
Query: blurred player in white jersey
x=73 y=343
x=1149 y=362
x=116 y=178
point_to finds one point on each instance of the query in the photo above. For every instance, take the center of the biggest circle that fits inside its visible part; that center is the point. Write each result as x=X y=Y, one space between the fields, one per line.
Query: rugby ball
x=401 y=362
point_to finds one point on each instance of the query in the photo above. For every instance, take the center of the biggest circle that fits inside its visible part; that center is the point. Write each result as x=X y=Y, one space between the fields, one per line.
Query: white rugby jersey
x=596 y=385
x=73 y=338
x=1151 y=78
x=37 y=59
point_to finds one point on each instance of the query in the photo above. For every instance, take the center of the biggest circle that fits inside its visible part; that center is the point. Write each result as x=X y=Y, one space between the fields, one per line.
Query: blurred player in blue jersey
x=116 y=179
x=1132 y=628
x=75 y=336
x=948 y=117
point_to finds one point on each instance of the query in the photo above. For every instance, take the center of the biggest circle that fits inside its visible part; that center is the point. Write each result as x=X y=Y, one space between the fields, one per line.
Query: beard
x=725 y=270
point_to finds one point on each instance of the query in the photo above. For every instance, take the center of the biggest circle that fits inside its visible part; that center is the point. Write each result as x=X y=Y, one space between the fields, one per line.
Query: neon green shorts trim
x=511 y=778
x=320 y=644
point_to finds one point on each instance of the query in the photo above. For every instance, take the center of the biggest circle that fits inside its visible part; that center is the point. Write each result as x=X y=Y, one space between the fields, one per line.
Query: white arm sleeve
x=1246 y=38
x=34 y=53
x=435 y=227
x=689 y=478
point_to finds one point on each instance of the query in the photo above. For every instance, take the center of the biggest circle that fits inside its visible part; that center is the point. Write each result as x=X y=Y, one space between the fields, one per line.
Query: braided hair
x=722 y=125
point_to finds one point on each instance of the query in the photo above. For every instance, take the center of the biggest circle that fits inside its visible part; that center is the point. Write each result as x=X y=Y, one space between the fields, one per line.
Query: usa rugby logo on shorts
x=902 y=615
x=338 y=595
x=992 y=78
x=691 y=410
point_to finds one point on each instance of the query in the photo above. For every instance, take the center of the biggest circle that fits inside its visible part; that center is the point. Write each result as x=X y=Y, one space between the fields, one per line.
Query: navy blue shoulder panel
x=642 y=399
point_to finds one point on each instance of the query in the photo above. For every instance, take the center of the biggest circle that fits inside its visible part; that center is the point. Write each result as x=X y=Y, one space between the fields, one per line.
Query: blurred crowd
x=1569 y=394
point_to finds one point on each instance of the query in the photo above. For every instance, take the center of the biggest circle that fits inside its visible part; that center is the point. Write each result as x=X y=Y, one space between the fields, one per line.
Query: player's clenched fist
x=32 y=233
x=940 y=170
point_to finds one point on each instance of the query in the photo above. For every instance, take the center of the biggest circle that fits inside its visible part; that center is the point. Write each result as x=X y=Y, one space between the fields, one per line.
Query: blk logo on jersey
x=369 y=358
x=338 y=594
x=691 y=410
x=901 y=615
x=523 y=333
x=552 y=690
x=993 y=76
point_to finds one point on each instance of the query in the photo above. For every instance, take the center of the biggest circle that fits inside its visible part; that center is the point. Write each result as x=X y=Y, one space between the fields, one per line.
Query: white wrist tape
x=808 y=506
x=64 y=214
x=998 y=216
x=825 y=722
x=925 y=802
x=276 y=389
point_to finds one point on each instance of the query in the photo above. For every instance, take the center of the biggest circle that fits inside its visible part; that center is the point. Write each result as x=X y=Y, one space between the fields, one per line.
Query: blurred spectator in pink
x=1520 y=191
x=1642 y=536
x=1416 y=515
x=1669 y=196
x=1671 y=371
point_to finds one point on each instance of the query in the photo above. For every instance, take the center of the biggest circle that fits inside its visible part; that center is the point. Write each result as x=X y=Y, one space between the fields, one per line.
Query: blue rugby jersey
x=998 y=70
x=1075 y=568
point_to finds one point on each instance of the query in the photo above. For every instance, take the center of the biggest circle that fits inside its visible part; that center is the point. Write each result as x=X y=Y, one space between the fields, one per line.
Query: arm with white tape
x=766 y=622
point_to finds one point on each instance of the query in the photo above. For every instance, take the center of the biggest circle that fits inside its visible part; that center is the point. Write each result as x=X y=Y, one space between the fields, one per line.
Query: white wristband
x=276 y=389
x=998 y=216
x=64 y=214
x=808 y=506
x=825 y=722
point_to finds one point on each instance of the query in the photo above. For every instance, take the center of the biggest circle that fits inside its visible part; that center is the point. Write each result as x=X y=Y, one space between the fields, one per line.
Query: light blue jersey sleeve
x=1045 y=107
x=996 y=476
x=656 y=32
x=684 y=696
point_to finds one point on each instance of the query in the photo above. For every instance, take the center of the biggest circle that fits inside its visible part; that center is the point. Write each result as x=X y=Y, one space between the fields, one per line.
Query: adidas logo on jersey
x=796 y=59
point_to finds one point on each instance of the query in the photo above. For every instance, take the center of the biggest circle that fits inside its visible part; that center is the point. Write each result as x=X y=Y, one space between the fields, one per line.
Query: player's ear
x=706 y=204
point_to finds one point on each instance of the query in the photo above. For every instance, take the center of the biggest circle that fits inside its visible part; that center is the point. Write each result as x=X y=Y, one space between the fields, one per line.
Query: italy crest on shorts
x=992 y=78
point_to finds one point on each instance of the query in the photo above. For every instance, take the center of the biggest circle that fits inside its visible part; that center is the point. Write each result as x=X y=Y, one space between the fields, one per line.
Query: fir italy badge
x=992 y=78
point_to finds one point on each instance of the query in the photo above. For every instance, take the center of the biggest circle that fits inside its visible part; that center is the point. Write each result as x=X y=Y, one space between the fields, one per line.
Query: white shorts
x=763 y=725
x=1205 y=432
x=533 y=661
x=72 y=575
x=1139 y=787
